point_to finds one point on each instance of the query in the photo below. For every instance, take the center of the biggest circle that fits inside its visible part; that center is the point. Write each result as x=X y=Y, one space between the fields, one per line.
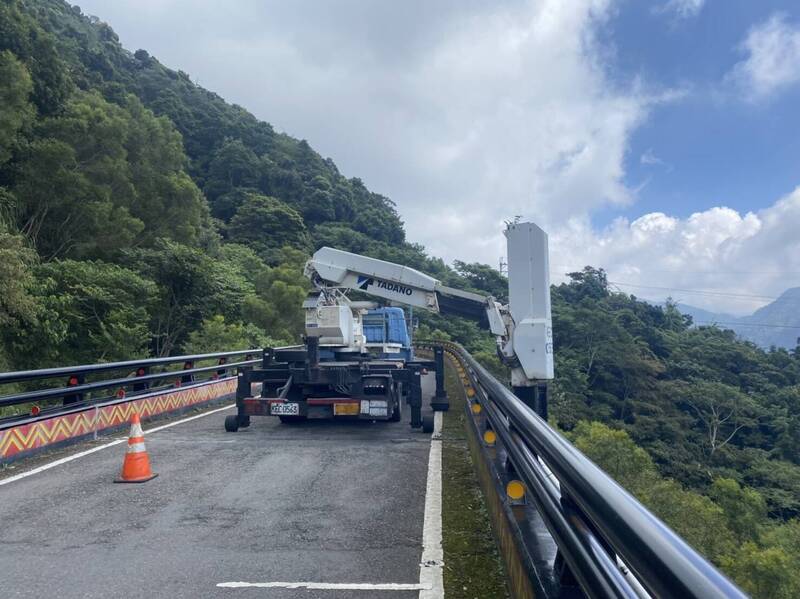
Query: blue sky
x=713 y=147
x=657 y=140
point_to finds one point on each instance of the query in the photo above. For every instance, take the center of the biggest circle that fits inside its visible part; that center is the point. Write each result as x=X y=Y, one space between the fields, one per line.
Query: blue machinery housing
x=388 y=325
x=578 y=533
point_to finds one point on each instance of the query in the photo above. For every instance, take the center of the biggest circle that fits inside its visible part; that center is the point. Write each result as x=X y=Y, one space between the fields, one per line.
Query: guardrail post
x=440 y=402
x=534 y=397
x=565 y=575
x=222 y=371
x=73 y=381
x=187 y=378
x=141 y=371
x=415 y=396
x=541 y=400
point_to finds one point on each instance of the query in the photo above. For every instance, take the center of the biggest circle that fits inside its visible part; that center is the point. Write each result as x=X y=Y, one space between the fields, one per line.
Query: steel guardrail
x=593 y=520
x=47 y=373
x=141 y=378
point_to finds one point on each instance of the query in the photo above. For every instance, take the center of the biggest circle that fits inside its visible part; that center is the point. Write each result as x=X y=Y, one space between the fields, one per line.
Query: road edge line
x=432 y=562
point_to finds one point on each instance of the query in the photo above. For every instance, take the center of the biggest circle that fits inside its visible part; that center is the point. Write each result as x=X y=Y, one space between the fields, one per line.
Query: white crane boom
x=523 y=328
x=390 y=281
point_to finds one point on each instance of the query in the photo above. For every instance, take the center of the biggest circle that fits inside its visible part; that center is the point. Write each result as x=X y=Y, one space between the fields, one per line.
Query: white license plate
x=285 y=409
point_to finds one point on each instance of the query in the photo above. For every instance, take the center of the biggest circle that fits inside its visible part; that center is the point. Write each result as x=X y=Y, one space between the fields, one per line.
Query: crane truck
x=358 y=361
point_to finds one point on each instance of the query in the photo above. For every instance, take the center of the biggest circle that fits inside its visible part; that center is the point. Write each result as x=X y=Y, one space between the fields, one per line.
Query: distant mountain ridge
x=776 y=324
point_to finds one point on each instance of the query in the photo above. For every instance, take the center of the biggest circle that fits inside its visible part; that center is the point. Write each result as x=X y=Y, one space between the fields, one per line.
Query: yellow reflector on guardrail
x=515 y=489
x=489 y=437
x=476 y=408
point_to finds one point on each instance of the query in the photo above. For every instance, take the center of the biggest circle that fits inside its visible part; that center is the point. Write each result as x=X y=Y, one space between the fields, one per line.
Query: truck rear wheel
x=427 y=424
x=397 y=413
x=232 y=423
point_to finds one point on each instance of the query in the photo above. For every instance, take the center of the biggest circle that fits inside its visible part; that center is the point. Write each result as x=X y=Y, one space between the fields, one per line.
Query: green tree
x=216 y=335
x=15 y=89
x=74 y=189
x=765 y=573
x=165 y=198
x=277 y=308
x=745 y=509
x=18 y=309
x=192 y=286
x=722 y=410
x=484 y=278
x=616 y=453
x=88 y=312
x=26 y=38
x=266 y=225
x=233 y=165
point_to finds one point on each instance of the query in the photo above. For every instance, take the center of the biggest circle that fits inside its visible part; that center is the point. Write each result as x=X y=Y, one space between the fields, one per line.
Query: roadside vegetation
x=473 y=568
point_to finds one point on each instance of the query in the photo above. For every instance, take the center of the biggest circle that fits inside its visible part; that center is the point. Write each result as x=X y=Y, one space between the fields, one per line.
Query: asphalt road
x=323 y=501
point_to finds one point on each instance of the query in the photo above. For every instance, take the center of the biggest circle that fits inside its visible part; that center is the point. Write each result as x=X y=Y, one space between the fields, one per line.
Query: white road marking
x=430 y=568
x=81 y=454
x=431 y=583
x=324 y=586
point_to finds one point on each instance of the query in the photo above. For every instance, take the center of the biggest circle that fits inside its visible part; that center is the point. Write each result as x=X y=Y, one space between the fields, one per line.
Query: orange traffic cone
x=136 y=467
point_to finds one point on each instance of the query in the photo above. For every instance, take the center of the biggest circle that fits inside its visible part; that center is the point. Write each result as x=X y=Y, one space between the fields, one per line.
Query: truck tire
x=397 y=413
x=427 y=424
x=244 y=420
x=232 y=423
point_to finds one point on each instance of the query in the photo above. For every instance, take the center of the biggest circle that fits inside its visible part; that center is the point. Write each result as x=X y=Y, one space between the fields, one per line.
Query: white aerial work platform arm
x=523 y=327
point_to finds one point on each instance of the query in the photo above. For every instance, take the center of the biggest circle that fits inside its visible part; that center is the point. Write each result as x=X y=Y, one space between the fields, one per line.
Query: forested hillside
x=143 y=215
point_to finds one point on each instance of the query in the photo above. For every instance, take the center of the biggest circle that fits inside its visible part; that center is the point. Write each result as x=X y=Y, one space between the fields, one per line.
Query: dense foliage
x=142 y=215
x=729 y=524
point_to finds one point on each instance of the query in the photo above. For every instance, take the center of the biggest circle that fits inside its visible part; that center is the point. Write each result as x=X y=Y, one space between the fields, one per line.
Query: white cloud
x=465 y=113
x=719 y=249
x=682 y=8
x=649 y=158
x=773 y=58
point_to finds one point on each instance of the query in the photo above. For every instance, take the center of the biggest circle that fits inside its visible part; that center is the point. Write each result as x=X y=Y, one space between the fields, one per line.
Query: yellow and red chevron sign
x=19 y=440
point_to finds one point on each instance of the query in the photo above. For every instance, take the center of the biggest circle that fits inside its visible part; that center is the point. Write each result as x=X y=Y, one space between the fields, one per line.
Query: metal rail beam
x=47 y=373
x=595 y=518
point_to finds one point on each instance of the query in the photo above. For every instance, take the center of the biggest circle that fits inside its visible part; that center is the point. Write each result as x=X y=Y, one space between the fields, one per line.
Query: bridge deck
x=332 y=502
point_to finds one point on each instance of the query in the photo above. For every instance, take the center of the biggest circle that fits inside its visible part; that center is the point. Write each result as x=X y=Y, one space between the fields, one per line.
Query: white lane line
x=432 y=562
x=81 y=454
x=323 y=586
x=431 y=583
x=189 y=419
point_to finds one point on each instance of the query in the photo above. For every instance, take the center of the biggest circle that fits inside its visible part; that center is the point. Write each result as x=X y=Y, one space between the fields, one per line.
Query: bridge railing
x=609 y=542
x=70 y=388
